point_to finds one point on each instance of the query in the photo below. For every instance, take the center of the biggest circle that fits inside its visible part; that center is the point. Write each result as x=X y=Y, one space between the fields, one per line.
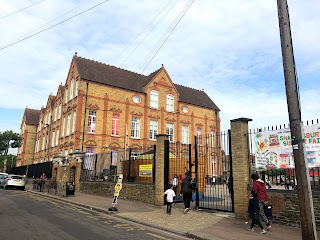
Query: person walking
x=175 y=182
x=259 y=187
x=169 y=199
x=186 y=191
x=253 y=210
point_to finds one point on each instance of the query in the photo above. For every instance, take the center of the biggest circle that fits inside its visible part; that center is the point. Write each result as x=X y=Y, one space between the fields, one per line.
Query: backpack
x=192 y=184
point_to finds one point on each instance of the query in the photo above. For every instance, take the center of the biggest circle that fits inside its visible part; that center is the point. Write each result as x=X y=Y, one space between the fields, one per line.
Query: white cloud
x=231 y=49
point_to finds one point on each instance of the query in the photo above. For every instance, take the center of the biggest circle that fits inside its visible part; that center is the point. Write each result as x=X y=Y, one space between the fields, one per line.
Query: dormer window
x=154 y=98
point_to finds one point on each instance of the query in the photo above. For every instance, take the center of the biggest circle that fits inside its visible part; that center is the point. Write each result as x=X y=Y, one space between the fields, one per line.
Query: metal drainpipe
x=84 y=117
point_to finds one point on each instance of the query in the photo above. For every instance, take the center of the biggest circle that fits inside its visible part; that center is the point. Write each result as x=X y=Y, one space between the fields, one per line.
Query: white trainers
x=250 y=229
x=263 y=231
x=186 y=210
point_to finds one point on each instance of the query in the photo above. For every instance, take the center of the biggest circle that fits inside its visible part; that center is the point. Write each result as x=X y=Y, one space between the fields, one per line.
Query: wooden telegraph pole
x=307 y=218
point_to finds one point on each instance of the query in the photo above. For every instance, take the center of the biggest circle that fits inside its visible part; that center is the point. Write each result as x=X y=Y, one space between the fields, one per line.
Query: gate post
x=159 y=167
x=240 y=165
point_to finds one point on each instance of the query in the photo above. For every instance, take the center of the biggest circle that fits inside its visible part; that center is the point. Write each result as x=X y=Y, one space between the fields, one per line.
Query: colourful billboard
x=274 y=148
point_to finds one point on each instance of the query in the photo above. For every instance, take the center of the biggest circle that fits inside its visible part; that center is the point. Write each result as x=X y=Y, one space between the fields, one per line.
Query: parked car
x=14 y=181
x=2 y=177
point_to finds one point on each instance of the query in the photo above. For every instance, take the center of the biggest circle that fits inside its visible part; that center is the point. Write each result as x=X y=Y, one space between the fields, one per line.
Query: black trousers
x=186 y=199
x=169 y=204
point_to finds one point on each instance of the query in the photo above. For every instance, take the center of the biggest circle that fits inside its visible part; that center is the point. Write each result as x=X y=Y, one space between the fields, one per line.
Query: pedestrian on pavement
x=186 y=191
x=175 y=182
x=213 y=181
x=259 y=187
x=253 y=210
x=169 y=199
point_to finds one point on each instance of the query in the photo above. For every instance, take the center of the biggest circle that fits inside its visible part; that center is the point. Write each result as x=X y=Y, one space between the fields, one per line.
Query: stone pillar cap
x=241 y=120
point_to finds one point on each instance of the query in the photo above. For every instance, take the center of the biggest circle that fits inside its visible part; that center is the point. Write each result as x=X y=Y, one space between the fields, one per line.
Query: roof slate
x=109 y=75
x=32 y=116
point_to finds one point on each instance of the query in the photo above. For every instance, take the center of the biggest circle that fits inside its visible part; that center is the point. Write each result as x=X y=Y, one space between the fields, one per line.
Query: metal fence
x=136 y=165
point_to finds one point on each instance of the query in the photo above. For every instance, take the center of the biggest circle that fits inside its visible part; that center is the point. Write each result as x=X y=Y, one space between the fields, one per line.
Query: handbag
x=267 y=210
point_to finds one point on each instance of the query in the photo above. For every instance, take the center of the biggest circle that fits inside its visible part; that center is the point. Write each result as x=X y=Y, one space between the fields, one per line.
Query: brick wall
x=285 y=205
x=130 y=191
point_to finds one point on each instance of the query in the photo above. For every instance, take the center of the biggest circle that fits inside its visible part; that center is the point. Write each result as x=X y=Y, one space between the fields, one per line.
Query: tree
x=11 y=161
x=8 y=139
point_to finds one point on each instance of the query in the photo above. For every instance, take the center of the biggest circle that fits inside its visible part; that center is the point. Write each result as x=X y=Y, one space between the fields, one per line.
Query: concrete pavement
x=197 y=224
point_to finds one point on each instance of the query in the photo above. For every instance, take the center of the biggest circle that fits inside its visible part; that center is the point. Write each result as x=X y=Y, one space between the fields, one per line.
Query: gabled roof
x=106 y=74
x=32 y=116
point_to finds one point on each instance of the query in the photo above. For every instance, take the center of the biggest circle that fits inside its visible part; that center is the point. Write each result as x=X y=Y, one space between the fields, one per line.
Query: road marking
x=158 y=236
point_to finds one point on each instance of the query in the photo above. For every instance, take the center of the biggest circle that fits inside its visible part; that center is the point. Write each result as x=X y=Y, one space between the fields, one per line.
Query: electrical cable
x=149 y=32
x=45 y=24
x=10 y=14
x=67 y=19
x=169 y=32
x=140 y=33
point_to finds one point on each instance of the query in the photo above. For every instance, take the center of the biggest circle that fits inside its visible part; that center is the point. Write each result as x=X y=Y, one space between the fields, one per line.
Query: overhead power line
x=47 y=23
x=10 y=14
x=150 y=30
x=8 y=45
x=165 y=37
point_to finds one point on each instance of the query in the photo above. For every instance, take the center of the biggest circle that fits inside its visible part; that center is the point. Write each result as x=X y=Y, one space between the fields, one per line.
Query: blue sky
x=229 y=48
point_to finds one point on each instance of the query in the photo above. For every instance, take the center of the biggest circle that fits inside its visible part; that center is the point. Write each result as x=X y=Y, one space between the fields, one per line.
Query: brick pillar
x=240 y=165
x=159 y=178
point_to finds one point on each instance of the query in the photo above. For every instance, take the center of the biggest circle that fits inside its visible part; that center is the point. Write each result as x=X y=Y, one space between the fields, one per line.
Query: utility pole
x=307 y=218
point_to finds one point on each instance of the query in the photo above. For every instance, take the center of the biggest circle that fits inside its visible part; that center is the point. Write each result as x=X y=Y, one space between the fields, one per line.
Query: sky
x=229 y=48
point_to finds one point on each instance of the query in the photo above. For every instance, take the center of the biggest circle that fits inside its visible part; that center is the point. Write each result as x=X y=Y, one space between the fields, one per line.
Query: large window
x=71 y=88
x=68 y=124
x=185 y=135
x=55 y=114
x=170 y=103
x=63 y=126
x=92 y=121
x=115 y=124
x=74 y=122
x=53 y=139
x=57 y=137
x=154 y=99
x=77 y=88
x=199 y=136
x=153 y=130
x=135 y=127
x=169 y=131
x=66 y=95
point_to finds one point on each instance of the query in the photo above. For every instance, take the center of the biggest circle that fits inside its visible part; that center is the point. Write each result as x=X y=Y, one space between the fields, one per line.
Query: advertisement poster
x=145 y=170
x=274 y=148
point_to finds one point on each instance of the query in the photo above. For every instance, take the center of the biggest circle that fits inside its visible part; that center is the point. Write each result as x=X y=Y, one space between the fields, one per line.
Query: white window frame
x=43 y=142
x=116 y=122
x=170 y=131
x=74 y=121
x=170 y=103
x=154 y=99
x=71 y=88
x=57 y=137
x=66 y=95
x=153 y=130
x=92 y=121
x=77 y=88
x=63 y=126
x=68 y=124
x=185 y=135
x=135 y=127
x=53 y=139
x=55 y=114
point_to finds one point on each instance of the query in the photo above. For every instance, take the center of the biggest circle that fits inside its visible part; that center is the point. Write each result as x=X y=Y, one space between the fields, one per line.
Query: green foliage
x=9 y=139
x=11 y=161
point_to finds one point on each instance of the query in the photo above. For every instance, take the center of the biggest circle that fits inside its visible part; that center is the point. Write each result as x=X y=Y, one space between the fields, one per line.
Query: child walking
x=253 y=210
x=170 y=195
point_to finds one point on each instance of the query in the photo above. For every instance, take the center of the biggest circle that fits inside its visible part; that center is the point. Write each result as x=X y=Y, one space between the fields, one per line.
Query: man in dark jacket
x=186 y=191
x=259 y=187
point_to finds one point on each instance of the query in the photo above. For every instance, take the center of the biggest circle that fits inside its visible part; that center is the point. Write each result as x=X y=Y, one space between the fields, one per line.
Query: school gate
x=209 y=161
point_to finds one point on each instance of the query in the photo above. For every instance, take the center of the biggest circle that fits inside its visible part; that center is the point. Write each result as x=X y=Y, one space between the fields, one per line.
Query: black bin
x=70 y=188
